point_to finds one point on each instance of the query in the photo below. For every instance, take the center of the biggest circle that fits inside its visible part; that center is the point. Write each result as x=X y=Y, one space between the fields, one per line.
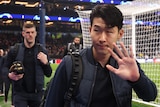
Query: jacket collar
x=90 y=57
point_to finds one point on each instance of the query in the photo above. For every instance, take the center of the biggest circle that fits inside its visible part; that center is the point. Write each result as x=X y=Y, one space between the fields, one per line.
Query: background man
x=32 y=65
x=75 y=46
x=1 y=74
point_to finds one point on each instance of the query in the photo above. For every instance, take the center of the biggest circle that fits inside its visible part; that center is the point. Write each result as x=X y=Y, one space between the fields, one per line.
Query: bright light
x=59 y=18
x=112 y=2
x=5 y=1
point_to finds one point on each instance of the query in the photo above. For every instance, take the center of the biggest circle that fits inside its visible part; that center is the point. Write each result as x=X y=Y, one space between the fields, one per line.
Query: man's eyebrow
x=29 y=31
x=106 y=27
x=96 y=26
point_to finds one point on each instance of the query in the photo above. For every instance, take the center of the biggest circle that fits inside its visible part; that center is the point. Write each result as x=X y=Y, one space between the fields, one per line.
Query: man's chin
x=101 y=52
x=29 y=42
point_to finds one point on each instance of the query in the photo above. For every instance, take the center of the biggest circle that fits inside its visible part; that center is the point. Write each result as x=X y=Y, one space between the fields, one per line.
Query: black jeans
x=1 y=84
x=27 y=99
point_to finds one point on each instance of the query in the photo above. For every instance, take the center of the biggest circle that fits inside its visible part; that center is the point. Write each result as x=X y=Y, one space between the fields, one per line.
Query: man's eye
x=96 y=30
x=108 y=31
x=29 y=32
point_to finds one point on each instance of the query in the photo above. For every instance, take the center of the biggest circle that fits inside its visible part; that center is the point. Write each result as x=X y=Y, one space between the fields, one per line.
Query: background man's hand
x=42 y=57
x=14 y=76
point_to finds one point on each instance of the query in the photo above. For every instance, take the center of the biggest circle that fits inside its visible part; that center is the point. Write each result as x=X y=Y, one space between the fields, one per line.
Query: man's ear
x=22 y=33
x=121 y=33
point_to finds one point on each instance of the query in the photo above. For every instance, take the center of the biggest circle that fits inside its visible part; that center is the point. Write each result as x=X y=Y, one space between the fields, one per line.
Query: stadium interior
x=61 y=20
x=62 y=24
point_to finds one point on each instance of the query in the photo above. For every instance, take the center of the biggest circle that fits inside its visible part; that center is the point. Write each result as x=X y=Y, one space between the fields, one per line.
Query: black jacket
x=122 y=89
x=40 y=69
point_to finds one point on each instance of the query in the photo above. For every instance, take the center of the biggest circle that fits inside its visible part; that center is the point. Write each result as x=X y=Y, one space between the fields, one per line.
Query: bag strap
x=77 y=71
x=16 y=49
x=7 y=80
x=40 y=47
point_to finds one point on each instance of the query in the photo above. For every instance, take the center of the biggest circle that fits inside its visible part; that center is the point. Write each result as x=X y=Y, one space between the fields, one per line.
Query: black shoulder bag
x=77 y=71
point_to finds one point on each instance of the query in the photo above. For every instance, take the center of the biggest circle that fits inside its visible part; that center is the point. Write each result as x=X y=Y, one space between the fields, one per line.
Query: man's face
x=77 y=40
x=103 y=37
x=29 y=35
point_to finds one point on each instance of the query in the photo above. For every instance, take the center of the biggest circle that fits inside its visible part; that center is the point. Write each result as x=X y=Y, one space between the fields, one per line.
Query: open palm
x=128 y=69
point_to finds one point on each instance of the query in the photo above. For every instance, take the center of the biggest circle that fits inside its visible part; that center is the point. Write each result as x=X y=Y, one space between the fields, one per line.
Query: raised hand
x=42 y=57
x=128 y=69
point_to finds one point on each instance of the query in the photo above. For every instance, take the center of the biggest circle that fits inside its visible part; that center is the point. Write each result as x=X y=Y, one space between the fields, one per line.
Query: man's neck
x=29 y=45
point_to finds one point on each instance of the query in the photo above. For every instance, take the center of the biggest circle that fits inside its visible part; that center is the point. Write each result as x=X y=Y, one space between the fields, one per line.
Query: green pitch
x=151 y=70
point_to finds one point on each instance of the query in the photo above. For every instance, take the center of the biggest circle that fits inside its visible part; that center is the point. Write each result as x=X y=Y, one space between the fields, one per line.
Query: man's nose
x=103 y=36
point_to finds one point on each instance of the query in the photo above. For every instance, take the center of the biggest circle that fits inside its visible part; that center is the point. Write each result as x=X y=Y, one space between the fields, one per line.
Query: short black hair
x=109 y=13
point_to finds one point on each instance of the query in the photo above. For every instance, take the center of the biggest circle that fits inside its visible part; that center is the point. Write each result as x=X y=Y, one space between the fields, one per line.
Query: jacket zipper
x=113 y=86
x=90 y=97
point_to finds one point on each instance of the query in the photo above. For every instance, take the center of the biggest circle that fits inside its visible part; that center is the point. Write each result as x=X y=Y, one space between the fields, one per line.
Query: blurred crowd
x=55 y=43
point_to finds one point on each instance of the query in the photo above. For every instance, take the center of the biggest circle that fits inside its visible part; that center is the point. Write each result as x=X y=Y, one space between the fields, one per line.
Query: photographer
x=74 y=46
x=26 y=65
